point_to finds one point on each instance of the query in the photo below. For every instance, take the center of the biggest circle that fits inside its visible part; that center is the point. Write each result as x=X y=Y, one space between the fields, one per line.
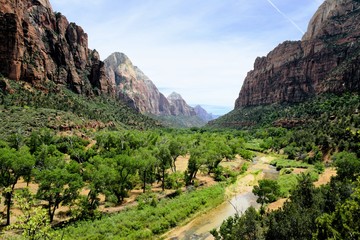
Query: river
x=200 y=227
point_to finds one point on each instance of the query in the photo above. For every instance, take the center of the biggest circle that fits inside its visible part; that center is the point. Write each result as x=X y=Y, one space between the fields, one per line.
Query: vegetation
x=267 y=191
x=33 y=223
x=150 y=220
x=61 y=109
x=180 y=121
x=322 y=129
x=81 y=153
x=328 y=212
x=69 y=171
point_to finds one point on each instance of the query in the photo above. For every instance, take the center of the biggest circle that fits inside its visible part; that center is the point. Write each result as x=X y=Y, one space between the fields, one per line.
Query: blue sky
x=201 y=49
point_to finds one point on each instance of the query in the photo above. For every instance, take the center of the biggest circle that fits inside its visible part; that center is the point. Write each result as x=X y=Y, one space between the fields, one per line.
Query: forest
x=62 y=172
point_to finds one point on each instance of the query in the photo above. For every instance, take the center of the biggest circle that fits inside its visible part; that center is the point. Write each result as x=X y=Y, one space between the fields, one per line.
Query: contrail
x=285 y=16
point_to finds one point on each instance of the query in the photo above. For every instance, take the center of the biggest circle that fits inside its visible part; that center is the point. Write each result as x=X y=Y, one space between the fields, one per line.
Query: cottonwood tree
x=197 y=159
x=267 y=191
x=123 y=167
x=177 y=147
x=33 y=222
x=146 y=166
x=98 y=176
x=13 y=165
x=59 y=183
x=163 y=156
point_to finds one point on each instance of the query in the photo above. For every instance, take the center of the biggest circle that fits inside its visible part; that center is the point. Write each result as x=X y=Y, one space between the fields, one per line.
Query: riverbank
x=238 y=197
x=324 y=178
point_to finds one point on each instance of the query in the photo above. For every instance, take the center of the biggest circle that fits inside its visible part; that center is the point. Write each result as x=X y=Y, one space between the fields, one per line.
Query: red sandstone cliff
x=37 y=45
x=327 y=59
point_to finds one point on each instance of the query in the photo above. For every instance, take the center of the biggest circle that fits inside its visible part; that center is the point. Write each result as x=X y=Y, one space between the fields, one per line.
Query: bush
x=246 y=154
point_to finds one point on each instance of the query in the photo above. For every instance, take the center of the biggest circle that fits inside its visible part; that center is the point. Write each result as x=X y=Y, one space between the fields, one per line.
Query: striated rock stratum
x=38 y=46
x=327 y=59
x=134 y=87
x=139 y=92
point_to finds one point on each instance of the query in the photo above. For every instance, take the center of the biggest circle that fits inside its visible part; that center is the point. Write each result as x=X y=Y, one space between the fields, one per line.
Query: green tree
x=13 y=165
x=163 y=156
x=347 y=166
x=146 y=166
x=267 y=191
x=344 y=222
x=59 y=183
x=34 y=222
x=245 y=227
x=98 y=176
x=197 y=159
x=123 y=167
x=297 y=219
x=177 y=148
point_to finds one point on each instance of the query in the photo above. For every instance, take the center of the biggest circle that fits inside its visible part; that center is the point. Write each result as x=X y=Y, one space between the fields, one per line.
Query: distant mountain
x=203 y=114
x=179 y=106
x=134 y=87
x=326 y=60
x=139 y=92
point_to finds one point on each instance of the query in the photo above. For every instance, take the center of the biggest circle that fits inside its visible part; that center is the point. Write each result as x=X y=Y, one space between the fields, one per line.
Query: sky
x=201 y=49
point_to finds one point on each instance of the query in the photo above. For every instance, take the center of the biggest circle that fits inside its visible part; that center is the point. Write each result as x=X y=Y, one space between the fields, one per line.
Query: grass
x=287 y=182
x=286 y=163
x=254 y=145
x=149 y=222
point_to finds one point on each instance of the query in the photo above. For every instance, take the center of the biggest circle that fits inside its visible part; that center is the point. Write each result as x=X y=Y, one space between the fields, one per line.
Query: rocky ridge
x=178 y=106
x=203 y=114
x=134 y=87
x=327 y=59
x=38 y=46
x=139 y=92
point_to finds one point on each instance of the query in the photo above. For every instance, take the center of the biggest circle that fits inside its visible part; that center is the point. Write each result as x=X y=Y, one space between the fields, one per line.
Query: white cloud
x=201 y=49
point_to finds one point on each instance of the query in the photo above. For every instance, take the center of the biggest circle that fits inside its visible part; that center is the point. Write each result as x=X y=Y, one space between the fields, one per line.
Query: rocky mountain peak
x=326 y=60
x=175 y=96
x=322 y=18
x=203 y=114
x=179 y=106
x=139 y=92
x=117 y=59
x=134 y=87
x=38 y=45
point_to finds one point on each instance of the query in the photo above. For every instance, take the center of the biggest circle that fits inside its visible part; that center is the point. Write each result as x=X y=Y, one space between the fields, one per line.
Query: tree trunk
x=49 y=212
x=173 y=164
x=8 y=197
x=144 y=182
x=163 y=179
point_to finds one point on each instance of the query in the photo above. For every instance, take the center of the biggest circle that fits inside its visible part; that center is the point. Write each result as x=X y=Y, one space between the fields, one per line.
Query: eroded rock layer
x=38 y=46
x=327 y=59
x=139 y=92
